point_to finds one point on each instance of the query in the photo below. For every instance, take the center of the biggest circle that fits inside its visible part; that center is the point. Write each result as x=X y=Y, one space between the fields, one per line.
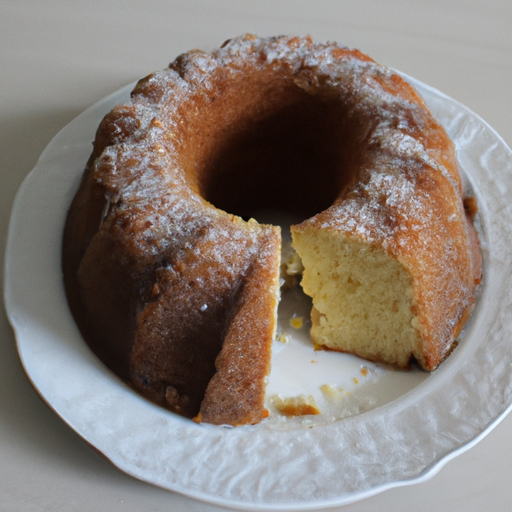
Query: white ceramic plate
x=407 y=433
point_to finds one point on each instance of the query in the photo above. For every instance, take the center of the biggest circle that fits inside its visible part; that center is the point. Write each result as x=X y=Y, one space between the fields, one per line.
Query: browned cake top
x=156 y=274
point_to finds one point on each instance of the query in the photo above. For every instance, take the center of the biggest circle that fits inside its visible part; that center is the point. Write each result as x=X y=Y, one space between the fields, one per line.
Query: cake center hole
x=293 y=158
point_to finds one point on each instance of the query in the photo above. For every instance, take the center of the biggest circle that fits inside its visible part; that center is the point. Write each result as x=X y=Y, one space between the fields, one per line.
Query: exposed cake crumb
x=294 y=265
x=297 y=322
x=283 y=337
x=301 y=405
x=330 y=392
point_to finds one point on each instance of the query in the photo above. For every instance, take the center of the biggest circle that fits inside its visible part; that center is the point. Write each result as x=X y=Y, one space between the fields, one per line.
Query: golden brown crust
x=163 y=284
x=234 y=395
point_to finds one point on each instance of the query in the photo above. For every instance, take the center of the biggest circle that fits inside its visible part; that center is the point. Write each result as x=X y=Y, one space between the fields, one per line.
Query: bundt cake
x=179 y=298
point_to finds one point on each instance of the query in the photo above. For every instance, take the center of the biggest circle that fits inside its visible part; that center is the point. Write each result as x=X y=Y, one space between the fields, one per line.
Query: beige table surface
x=58 y=57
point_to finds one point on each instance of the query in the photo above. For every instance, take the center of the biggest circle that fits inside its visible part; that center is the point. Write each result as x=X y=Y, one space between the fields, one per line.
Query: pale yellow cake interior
x=362 y=298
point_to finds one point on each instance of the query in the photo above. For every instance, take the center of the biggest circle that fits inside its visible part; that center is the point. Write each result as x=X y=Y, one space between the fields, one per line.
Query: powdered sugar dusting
x=404 y=178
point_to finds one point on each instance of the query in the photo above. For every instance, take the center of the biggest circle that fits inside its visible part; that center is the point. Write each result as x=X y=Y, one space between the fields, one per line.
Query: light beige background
x=58 y=57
